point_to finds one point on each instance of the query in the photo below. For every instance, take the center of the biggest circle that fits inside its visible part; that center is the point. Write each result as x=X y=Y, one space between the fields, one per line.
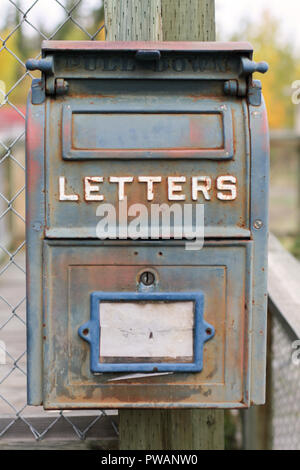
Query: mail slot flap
x=182 y=60
x=137 y=129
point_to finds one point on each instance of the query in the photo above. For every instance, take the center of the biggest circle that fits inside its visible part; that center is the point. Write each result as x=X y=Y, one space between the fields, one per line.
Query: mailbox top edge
x=173 y=46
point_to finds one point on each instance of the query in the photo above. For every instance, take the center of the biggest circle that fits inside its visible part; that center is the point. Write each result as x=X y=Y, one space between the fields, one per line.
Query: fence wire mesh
x=285 y=388
x=23 y=25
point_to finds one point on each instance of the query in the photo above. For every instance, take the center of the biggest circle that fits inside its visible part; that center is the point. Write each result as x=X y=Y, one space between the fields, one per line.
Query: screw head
x=258 y=224
x=37 y=226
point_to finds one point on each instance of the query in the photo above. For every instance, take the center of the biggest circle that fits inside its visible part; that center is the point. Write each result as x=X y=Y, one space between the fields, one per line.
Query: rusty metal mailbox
x=145 y=321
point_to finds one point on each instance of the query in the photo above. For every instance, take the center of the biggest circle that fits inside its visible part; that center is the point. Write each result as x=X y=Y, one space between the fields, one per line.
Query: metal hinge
x=246 y=86
x=48 y=84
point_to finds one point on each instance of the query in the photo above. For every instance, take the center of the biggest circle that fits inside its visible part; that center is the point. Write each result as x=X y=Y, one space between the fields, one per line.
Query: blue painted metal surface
x=260 y=162
x=44 y=65
x=203 y=331
x=35 y=223
x=205 y=90
x=232 y=222
x=107 y=130
x=74 y=269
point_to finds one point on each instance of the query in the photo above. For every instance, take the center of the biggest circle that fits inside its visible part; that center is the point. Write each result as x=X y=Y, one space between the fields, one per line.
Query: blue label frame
x=91 y=331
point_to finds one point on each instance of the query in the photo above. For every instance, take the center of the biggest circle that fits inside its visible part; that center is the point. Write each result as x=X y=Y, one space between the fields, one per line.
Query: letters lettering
x=179 y=188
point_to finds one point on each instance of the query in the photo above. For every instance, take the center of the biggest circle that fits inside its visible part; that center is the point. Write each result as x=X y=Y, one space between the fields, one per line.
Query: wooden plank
x=90 y=444
x=284 y=282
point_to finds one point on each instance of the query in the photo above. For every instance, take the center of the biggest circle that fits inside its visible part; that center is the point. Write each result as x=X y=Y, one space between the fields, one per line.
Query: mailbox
x=145 y=321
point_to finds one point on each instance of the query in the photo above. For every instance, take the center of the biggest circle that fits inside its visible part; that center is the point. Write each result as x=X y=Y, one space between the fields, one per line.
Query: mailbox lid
x=75 y=270
x=172 y=60
x=169 y=46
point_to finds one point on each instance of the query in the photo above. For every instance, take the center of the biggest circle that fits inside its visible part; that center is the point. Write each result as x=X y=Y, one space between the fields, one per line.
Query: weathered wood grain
x=283 y=285
x=172 y=429
x=188 y=20
x=133 y=20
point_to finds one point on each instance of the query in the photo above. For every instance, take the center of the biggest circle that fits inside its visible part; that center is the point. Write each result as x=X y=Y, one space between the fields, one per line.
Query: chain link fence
x=284 y=387
x=23 y=25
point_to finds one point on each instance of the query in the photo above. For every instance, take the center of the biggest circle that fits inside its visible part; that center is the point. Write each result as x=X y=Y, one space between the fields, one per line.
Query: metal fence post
x=155 y=20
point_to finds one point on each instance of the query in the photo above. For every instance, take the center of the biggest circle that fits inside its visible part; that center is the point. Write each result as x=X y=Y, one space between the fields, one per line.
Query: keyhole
x=147 y=278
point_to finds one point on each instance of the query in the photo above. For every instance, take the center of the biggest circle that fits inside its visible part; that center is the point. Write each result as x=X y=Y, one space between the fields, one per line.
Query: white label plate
x=146 y=330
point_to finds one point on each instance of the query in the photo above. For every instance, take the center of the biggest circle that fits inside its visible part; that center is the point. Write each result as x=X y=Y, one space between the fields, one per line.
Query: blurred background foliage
x=284 y=64
x=25 y=41
x=284 y=117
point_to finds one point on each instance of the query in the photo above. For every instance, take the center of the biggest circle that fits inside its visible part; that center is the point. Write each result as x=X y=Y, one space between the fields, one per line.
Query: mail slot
x=142 y=309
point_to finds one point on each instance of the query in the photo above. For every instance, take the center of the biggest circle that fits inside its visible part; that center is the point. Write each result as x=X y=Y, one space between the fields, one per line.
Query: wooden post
x=172 y=20
x=188 y=20
x=171 y=429
x=133 y=20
